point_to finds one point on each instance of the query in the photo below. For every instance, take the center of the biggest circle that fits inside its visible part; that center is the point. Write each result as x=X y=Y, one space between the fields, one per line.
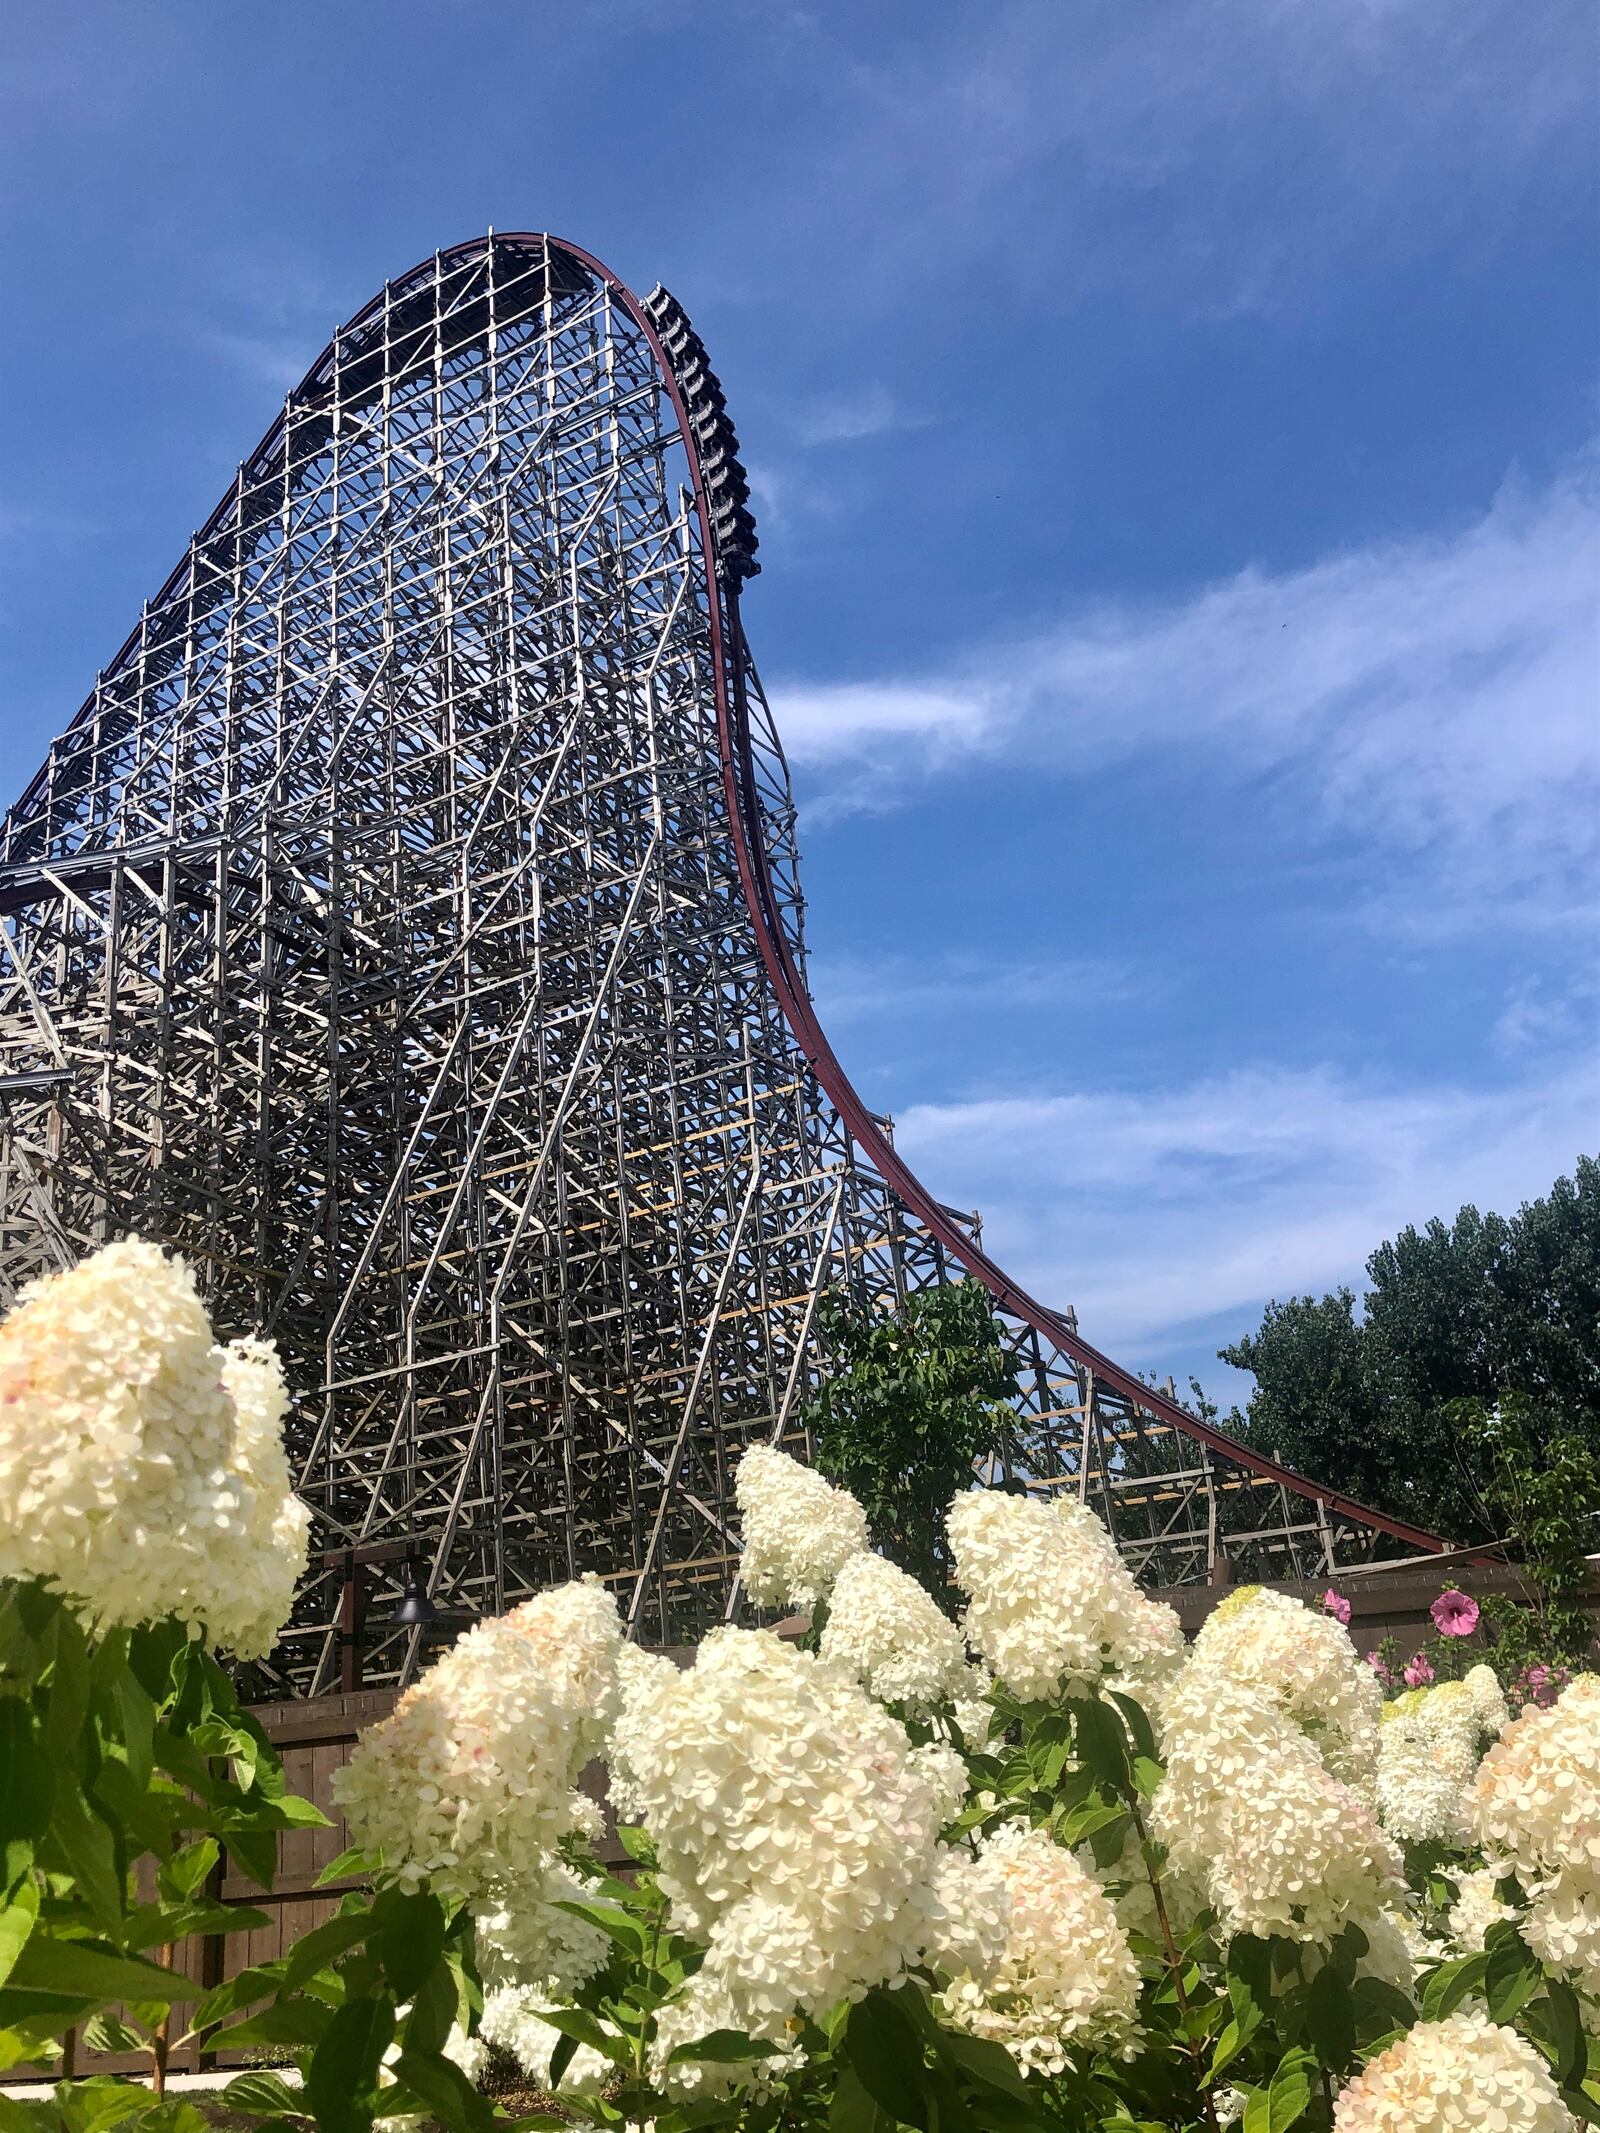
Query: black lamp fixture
x=417 y=1610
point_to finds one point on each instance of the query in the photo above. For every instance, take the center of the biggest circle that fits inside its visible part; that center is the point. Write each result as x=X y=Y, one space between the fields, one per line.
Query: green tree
x=1313 y=1387
x=914 y=1399
x=1544 y=1486
x=1476 y=1310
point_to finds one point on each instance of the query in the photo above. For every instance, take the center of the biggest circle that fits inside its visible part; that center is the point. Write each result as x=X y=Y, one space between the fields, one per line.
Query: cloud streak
x=1437 y=696
x=1153 y=1210
x=1244 y=150
x=958 y=987
x=848 y=418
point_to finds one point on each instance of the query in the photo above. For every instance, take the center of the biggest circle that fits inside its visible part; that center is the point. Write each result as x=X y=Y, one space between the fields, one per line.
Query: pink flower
x=1540 y=1685
x=1455 y=1614
x=1418 y=1674
x=1336 y=1605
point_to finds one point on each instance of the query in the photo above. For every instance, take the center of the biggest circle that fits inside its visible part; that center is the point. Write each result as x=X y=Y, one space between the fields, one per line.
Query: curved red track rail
x=738 y=774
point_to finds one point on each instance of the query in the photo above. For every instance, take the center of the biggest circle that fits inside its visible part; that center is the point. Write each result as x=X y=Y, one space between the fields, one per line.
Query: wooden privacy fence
x=314 y=1739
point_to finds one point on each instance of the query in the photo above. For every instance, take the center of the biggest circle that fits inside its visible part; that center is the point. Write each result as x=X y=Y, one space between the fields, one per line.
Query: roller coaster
x=408 y=929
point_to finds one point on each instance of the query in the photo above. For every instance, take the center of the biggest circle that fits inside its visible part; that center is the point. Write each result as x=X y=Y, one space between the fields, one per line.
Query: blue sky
x=1173 y=434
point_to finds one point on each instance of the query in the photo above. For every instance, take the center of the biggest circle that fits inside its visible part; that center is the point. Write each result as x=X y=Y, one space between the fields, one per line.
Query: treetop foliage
x=1476 y=1310
x=914 y=1400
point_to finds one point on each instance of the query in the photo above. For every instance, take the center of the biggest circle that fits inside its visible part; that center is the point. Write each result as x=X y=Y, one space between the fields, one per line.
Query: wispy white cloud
x=894 y=987
x=1536 y=1019
x=278 y=360
x=1438 y=696
x=1246 y=151
x=1155 y=1209
x=846 y=418
x=269 y=308
x=933 y=722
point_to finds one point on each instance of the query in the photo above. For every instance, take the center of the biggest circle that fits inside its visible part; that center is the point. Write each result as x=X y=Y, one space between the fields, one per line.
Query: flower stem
x=1192 y=2045
x=161 y=2040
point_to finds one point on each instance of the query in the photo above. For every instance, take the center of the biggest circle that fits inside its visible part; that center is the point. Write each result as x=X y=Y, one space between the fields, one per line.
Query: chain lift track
x=408 y=930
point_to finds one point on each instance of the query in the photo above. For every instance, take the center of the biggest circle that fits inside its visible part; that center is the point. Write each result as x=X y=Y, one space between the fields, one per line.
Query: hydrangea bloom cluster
x=1488 y=1699
x=1535 y=1808
x=1562 y=1927
x=1476 y=1907
x=973 y=1708
x=1068 y=1976
x=885 y=1630
x=1536 y=1802
x=468 y=2053
x=142 y=1468
x=1428 y=1748
x=1249 y=1807
x=267 y=1555
x=796 y=1827
x=513 y=2019
x=527 y=1944
x=799 y=1530
x=1305 y=1660
x=1396 y=1945
x=1051 y=1602
x=469 y=1782
x=1462 y=2075
x=1426 y=1759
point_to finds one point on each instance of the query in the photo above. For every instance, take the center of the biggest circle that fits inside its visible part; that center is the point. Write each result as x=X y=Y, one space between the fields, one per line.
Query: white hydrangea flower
x=469 y=2053
x=1422 y=1946
x=796 y=1827
x=1535 y=1809
x=469 y=1782
x=967 y=1910
x=514 y=2020
x=885 y=1630
x=1562 y=1927
x=525 y=1942
x=1536 y=1800
x=1396 y=1947
x=1427 y=1754
x=1476 y=1907
x=1392 y=1937
x=1305 y=1659
x=1067 y=1977
x=1051 y=1602
x=142 y=1469
x=1249 y=1807
x=799 y=1530
x=1462 y=2075
x=762 y=1940
x=973 y=1708
x=639 y=1673
x=264 y=1556
x=944 y=1770
x=1488 y=1700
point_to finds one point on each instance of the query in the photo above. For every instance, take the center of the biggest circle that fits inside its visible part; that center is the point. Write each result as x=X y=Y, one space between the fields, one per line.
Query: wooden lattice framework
x=408 y=930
